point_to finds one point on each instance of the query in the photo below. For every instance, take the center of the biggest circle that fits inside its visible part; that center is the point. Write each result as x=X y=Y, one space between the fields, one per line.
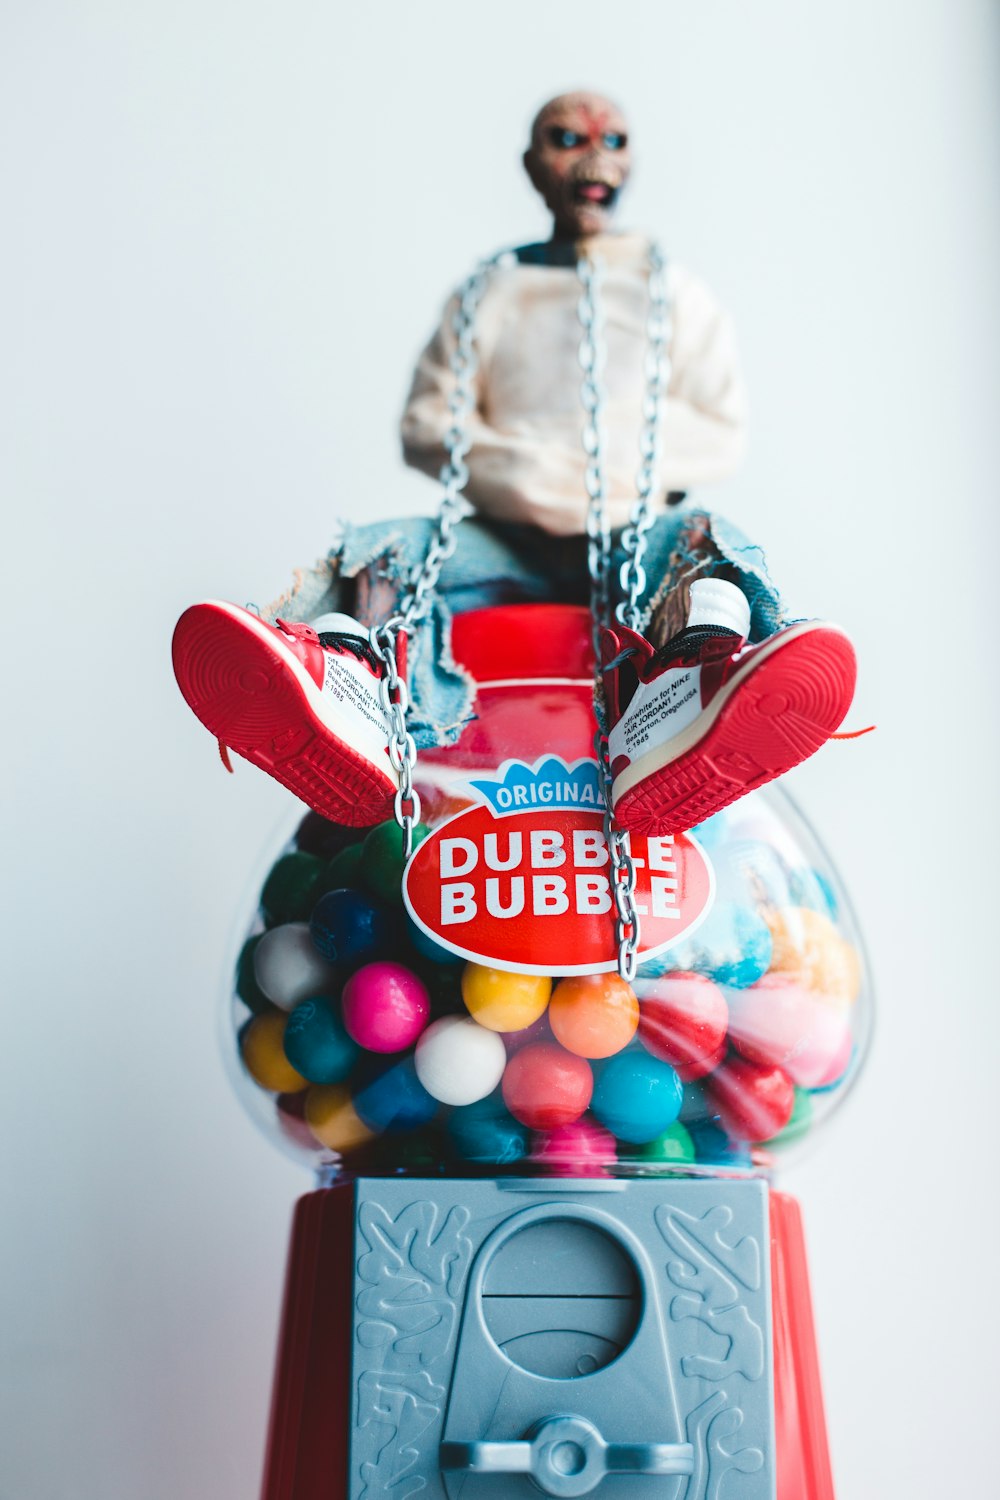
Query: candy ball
x=637 y=1096
x=808 y=947
x=393 y=1098
x=382 y=861
x=682 y=1021
x=754 y=1103
x=332 y=1118
x=799 y=1121
x=317 y=1043
x=539 y=1031
x=292 y=888
x=545 y=1086
x=291 y=1114
x=593 y=1015
x=261 y=1045
x=674 y=1145
x=288 y=968
x=385 y=1007
x=458 y=1061
x=487 y=1132
x=504 y=1002
x=349 y=927
x=714 y=1148
x=779 y=1021
x=580 y=1149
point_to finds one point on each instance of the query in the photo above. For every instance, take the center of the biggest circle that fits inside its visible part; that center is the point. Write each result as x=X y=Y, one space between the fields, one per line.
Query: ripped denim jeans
x=494 y=563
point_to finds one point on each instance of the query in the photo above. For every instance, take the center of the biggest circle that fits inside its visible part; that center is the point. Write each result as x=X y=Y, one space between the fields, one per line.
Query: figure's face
x=579 y=161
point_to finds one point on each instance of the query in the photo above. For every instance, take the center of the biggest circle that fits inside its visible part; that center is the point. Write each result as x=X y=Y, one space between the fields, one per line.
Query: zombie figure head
x=579 y=161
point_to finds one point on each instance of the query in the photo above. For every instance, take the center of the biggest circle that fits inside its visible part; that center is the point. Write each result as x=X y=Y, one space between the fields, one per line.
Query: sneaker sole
x=254 y=700
x=783 y=708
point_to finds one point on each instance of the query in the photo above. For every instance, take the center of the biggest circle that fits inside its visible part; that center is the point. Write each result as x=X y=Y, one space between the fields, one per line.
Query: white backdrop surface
x=229 y=225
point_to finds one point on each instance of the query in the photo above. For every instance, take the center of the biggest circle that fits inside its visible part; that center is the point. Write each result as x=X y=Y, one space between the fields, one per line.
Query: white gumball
x=458 y=1061
x=289 y=969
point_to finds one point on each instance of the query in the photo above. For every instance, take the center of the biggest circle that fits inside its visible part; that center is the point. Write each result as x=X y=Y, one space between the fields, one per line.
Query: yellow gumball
x=808 y=947
x=332 y=1118
x=504 y=1002
x=263 y=1049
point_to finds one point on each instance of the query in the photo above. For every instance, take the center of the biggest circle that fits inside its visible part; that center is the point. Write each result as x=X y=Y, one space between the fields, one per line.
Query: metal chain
x=633 y=576
x=419 y=591
x=658 y=367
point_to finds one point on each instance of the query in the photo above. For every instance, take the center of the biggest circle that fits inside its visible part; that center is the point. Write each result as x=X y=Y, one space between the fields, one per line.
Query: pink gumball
x=779 y=1021
x=580 y=1149
x=682 y=1021
x=385 y=1007
x=838 y=1065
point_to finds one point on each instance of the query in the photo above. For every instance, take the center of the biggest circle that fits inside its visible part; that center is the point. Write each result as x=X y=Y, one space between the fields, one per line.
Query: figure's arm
x=704 y=422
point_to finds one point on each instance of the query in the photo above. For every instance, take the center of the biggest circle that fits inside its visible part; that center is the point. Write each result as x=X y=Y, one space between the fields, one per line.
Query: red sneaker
x=707 y=718
x=303 y=707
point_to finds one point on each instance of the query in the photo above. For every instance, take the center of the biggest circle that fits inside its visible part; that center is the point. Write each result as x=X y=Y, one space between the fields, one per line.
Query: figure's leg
x=698 y=715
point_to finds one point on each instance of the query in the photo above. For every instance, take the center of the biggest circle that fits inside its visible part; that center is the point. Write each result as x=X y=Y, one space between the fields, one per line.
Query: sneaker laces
x=334 y=640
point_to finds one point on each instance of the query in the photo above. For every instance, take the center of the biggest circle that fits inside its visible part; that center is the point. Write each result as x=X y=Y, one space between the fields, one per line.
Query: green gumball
x=382 y=859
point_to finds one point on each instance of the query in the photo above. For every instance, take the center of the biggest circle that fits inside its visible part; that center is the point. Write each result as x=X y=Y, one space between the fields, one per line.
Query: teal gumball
x=293 y=886
x=316 y=1042
x=382 y=859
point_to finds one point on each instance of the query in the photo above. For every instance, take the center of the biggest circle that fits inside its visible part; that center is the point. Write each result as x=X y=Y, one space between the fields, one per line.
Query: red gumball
x=582 y=1149
x=754 y=1103
x=682 y=1021
x=544 y=1086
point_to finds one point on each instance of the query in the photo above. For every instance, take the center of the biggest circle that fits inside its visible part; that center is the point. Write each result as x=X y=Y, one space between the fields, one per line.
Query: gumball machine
x=545 y=1251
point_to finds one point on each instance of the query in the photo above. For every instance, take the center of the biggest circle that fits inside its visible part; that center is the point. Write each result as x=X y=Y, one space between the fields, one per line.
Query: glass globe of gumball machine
x=545 y=1250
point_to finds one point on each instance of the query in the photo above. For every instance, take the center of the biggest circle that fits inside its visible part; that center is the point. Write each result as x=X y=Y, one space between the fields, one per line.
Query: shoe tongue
x=338 y=624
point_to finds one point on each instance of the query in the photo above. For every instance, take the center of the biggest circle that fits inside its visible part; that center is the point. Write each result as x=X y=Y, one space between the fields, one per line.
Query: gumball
x=393 y=1098
x=385 y=1007
x=581 y=1149
x=428 y=948
x=751 y=872
x=288 y=968
x=593 y=1015
x=504 y=1002
x=636 y=1096
x=682 y=1021
x=674 y=1145
x=349 y=927
x=754 y=1103
x=839 y=1067
x=292 y=888
x=316 y=1042
x=458 y=1061
x=808 y=947
x=317 y=835
x=545 y=1086
x=332 y=1118
x=812 y=888
x=487 y=1132
x=261 y=1046
x=246 y=985
x=343 y=870
x=779 y=1021
x=382 y=860
x=696 y=1106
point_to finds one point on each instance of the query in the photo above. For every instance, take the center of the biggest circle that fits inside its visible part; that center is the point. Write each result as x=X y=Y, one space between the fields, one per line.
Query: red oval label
x=528 y=889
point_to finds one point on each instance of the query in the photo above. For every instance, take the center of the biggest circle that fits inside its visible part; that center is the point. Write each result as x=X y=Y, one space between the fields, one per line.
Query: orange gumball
x=593 y=1015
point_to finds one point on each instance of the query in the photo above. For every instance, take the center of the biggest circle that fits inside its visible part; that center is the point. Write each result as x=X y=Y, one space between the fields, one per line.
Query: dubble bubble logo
x=521 y=880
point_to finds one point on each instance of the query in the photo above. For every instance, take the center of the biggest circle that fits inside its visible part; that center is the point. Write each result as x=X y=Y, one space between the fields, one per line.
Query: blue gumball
x=713 y=1147
x=812 y=889
x=637 y=1096
x=393 y=1099
x=732 y=946
x=486 y=1132
x=316 y=1043
x=348 y=927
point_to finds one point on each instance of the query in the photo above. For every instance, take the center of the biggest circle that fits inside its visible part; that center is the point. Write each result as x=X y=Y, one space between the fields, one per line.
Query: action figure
x=708 y=691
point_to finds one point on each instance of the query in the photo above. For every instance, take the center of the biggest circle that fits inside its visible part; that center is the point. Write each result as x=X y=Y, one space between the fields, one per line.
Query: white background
x=229 y=225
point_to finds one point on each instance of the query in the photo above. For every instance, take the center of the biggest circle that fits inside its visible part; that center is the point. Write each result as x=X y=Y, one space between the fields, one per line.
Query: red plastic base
x=308 y=1437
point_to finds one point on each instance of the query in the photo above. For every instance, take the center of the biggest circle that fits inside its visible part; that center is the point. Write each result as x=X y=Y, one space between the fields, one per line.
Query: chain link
x=418 y=593
x=633 y=575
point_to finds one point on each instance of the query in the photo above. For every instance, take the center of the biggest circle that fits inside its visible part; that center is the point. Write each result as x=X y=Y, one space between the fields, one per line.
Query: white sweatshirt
x=527 y=460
